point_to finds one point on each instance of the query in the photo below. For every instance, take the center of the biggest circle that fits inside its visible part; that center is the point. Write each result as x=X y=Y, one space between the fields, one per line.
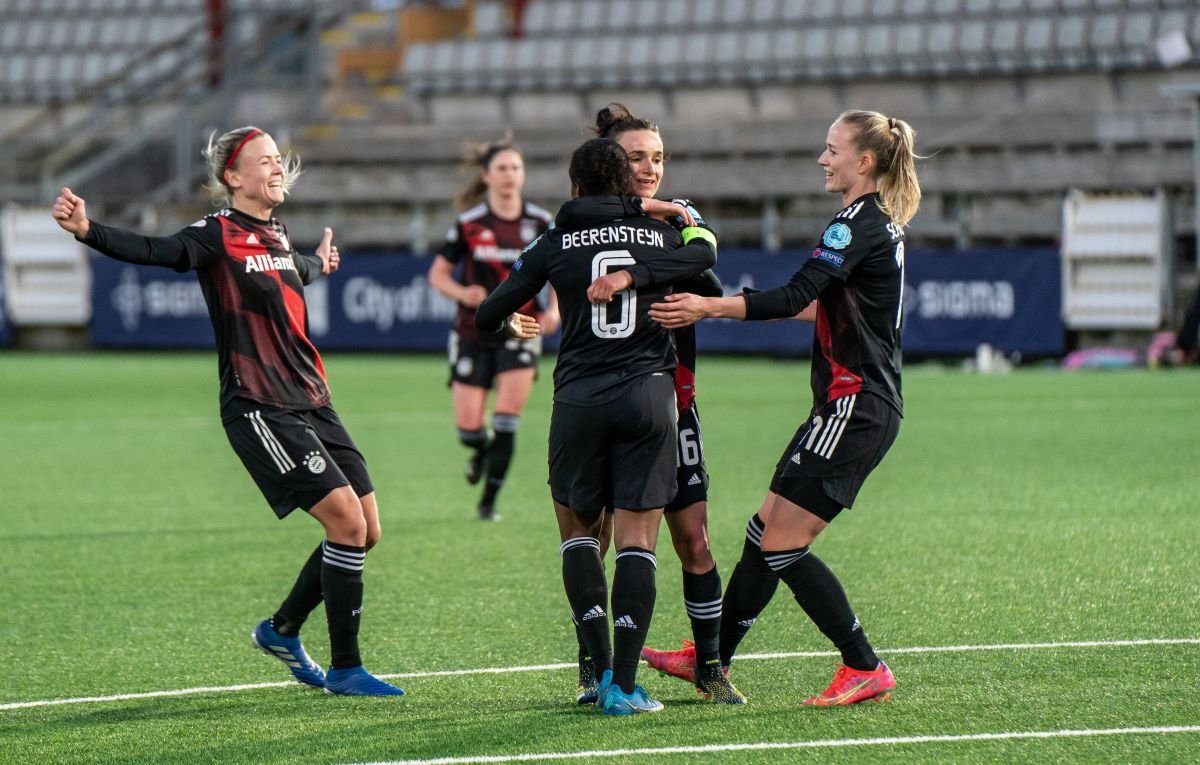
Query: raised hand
x=71 y=213
x=331 y=259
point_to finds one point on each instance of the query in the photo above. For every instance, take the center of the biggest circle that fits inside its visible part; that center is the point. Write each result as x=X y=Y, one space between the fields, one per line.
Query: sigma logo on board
x=155 y=299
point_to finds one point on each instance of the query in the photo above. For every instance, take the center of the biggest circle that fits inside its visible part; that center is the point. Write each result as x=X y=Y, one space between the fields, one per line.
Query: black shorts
x=621 y=451
x=476 y=364
x=691 y=477
x=834 y=451
x=295 y=457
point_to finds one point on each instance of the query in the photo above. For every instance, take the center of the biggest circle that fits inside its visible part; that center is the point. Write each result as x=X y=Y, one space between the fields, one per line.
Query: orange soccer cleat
x=850 y=686
x=680 y=664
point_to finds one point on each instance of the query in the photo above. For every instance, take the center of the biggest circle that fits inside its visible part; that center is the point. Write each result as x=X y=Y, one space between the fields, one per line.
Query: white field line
x=819 y=744
x=572 y=665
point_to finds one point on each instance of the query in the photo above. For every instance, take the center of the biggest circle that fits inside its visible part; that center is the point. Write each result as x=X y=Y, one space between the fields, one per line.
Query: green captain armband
x=698 y=232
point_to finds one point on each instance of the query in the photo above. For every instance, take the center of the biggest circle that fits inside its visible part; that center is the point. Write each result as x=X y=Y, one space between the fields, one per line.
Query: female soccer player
x=612 y=430
x=852 y=286
x=483 y=243
x=275 y=403
x=687 y=513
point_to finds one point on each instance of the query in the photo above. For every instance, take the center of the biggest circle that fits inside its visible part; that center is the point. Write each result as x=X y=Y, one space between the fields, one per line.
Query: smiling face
x=256 y=178
x=505 y=174
x=847 y=171
x=646 y=159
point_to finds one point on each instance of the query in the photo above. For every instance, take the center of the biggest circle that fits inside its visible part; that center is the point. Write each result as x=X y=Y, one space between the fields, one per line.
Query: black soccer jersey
x=588 y=211
x=603 y=346
x=253 y=282
x=856 y=273
x=485 y=245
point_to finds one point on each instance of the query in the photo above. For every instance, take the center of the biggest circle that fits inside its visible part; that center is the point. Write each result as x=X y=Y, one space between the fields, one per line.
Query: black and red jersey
x=857 y=346
x=484 y=246
x=253 y=282
x=856 y=274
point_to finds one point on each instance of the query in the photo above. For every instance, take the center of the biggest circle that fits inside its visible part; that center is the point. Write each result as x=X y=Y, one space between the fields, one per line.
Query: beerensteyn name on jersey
x=589 y=237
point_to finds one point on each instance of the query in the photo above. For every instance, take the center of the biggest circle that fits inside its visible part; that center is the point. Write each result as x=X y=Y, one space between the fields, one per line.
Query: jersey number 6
x=603 y=264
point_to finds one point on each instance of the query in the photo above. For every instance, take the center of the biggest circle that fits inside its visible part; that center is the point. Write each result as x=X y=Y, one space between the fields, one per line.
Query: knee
x=695 y=554
x=373 y=535
x=346 y=524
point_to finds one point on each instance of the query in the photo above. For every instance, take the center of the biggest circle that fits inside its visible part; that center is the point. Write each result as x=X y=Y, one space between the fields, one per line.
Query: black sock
x=821 y=596
x=749 y=591
x=633 y=595
x=504 y=427
x=304 y=597
x=587 y=592
x=342 y=583
x=474 y=439
x=584 y=656
x=702 y=599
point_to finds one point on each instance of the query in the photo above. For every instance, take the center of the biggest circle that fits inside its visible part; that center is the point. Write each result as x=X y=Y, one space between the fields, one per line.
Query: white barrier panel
x=47 y=280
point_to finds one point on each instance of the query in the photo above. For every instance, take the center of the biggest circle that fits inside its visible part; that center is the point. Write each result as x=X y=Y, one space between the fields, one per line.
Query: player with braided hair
x=687 y=513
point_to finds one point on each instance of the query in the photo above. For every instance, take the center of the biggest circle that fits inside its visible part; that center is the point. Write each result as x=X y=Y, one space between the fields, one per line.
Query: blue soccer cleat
x=357 y=681
x=614 y=701
x=290 y=652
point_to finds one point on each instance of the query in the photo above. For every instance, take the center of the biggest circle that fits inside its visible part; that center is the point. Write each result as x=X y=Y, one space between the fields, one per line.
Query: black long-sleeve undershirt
x=793 y=297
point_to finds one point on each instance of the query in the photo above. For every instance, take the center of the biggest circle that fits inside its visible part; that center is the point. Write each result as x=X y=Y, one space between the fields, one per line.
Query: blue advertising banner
x=953 y=300
x=147 y=307
x=372 y=302
x=1011 y=299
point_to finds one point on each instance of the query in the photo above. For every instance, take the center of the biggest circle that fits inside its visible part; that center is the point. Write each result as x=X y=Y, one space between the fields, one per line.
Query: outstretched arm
x=70 y=210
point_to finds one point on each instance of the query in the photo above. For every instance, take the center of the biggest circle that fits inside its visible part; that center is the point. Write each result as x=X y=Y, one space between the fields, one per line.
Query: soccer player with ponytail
x=852 y=286
x=495 y=224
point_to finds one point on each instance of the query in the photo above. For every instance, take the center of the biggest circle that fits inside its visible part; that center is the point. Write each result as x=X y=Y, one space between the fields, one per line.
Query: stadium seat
x=1137 y=37
x=973 y=36
x=594 y=16
x=536 y=18
x=727 y=56
x=698 y=60
x=1005 y=44
x=754 y=54
x=1037 y=43
x=668 y=59
x=1070 y=42
x=914 y=8
x=764 y=12
x=940 y=43
x=1104 y=41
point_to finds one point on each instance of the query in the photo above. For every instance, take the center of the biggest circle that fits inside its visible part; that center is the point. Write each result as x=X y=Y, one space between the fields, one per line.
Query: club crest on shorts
x=315 y=463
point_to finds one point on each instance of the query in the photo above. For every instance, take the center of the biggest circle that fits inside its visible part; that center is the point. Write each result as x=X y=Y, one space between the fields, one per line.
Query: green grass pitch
x=1024 y=534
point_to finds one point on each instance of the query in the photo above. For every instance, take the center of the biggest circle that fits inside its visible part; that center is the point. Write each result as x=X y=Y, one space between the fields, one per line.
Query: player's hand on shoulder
x=522 y=327
x=667 y=211
x=603 y=289
x=691 y=216
x=71 y=213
